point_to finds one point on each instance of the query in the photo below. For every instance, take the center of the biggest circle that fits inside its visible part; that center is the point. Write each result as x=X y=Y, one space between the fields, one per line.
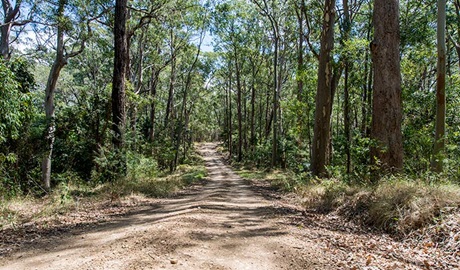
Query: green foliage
x=192 y=174
x=8 y=185
x=243 y=38
x=16 y=82
x=13 y=105
x=110 y=166
x=140 y=167
x=20 y=69
x=157 y=185
x=262 y=154
x=80 y=131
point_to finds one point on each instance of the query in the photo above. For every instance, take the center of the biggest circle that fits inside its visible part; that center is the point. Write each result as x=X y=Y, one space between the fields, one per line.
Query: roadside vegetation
x=405 y=207
x=353 y=105
x=143 y=182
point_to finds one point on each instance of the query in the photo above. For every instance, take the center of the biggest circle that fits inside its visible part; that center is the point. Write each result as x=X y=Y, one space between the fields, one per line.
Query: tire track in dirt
x=222 y=224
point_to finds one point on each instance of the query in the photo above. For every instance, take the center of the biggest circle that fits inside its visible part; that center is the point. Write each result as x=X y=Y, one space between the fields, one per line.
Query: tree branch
x=21 y=23
x=307 y=37
x=82 y=44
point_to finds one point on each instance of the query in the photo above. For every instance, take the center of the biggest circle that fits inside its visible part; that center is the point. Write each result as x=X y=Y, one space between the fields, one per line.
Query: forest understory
x=222 y=221
x=339 y=120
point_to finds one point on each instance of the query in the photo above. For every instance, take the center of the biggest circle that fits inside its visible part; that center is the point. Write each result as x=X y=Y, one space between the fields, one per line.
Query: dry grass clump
x=405 y=205
x=327 y=195
x=394 y=205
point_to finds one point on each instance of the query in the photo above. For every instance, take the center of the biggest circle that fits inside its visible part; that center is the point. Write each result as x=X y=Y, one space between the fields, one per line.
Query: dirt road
x=224 y=223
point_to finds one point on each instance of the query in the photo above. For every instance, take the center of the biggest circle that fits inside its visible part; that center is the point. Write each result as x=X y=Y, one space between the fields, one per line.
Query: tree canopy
x=306 y=86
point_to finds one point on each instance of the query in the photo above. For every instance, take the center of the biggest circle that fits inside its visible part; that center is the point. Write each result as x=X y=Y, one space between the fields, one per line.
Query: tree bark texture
x=440 y=126
x=324 y=94
x=183 y=118
x=252 y=139
x=119 y=73
x=387 y=153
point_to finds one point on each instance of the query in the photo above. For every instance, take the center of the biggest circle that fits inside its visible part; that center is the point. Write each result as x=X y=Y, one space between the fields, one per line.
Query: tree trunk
x=457 y=49
x=59 y=62
x=5 y=40
x=386 y=103
x=230 y=124
x=226 y=121
x=238 y=107
x=457 y=43
x=299 y=78
x=275 y=156
x=50 y=116
x=9 y=13
x=346 y=91
x=245 y=117
x=187 y=134
x=367 y=89
x=346 y=120
x=268 y=115
x=119 y=73
x=252 y=139
x=139 y=83
x=324 y=94
x=261 y=116
x=153 y=92
x=172 y=81
x=183 y=119
x=300 y=68
x=365 y=93
x=439 y=143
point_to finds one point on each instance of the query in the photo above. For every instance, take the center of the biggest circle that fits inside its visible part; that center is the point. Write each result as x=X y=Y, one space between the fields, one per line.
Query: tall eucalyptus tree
x=121 y=56
x=324 y=94
x=72 y=32
x=440 y=125
x=387 y=153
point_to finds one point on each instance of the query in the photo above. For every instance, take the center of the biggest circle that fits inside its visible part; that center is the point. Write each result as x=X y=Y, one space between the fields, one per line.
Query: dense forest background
x=93 y=91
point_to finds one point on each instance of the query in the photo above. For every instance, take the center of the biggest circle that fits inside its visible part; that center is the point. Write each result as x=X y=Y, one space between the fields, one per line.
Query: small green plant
x=110 y=166
x=140 y=166
x=7 y=217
